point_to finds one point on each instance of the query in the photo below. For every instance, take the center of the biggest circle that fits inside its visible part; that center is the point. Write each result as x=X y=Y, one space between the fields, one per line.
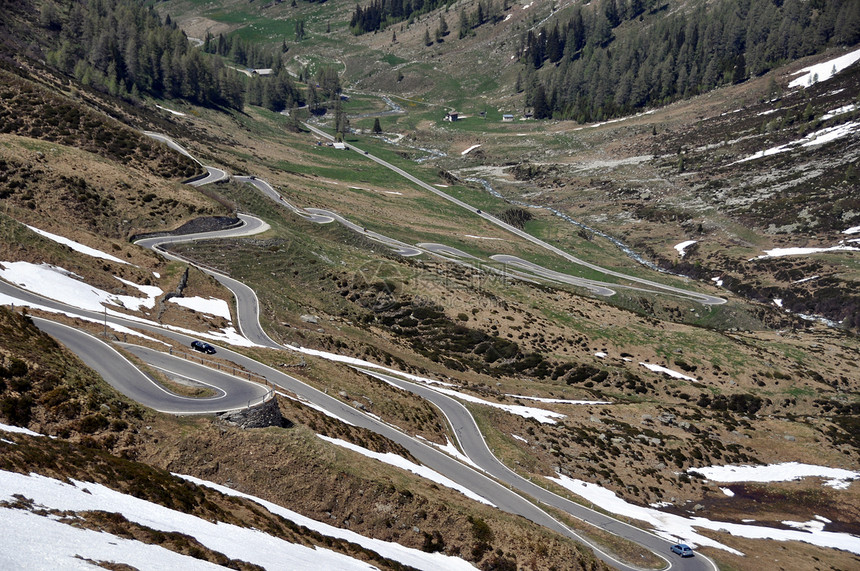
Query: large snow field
x=391 y=550
x=61 y=285
x=35 y=541
x=41 y=542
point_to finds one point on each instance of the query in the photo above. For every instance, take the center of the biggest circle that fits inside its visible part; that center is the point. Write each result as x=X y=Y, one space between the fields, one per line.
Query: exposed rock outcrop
x=260 y=416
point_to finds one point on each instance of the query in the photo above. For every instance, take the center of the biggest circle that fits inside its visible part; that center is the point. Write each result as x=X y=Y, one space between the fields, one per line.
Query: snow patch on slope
x=210 y=306
x=670 y=372
x=836 y=477
x=20 y=529
x=77 y=246
x=677 y=528
x=403 y=463
x=825 y=70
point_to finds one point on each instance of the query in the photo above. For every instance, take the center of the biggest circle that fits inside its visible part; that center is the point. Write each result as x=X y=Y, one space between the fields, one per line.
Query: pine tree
x=611 y=10
x=313 y=99
x=377 y=128
x=740 y=71
x=464 y=25
x=341 y=122
x=541 y=107
x=255 y=91
x=295 y=123
x=427 y=40
x=554 y=47
x=49 y=16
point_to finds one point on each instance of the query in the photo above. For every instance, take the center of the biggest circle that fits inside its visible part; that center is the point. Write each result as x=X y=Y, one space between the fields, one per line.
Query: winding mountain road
x=474 y=446
x=463 y=424
x=231 y=392
x=401 y=248
x=645 y=285
x=485 y=483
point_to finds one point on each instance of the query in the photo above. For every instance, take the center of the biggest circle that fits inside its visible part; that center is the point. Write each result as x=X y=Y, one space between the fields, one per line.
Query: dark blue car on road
x=203 y=347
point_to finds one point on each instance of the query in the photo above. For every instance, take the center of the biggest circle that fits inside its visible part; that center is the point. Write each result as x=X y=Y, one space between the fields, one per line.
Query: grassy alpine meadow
x=359 y=186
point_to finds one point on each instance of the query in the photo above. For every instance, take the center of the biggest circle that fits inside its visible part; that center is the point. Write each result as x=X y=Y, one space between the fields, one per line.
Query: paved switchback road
x=399 y=247
x=466 y=431
x=212 y=174
x=646 y=285
x=268 y=190
x=231 y=392
x=121 y=374
x=474 y=446
x=247 y=304
x=500 y=494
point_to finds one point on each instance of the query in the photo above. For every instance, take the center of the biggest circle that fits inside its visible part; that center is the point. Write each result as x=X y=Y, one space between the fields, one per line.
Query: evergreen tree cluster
x=323 y=90
x=123 y=47
x=602 y=64
x=382 y=13
x=241 y=52
x=277 y=92
x=484 y=12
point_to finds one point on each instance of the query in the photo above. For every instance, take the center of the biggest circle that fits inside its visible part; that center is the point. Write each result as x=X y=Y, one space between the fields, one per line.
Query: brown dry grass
x=89 y=198
x=564 y=326
x=336 y=486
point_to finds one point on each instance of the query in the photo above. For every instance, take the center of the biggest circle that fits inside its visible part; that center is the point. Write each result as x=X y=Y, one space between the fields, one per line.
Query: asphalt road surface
x=465 y=428
x=474 y=446
x=104 y=360
x=231 y=392
x=649 y=285
x=268 y=190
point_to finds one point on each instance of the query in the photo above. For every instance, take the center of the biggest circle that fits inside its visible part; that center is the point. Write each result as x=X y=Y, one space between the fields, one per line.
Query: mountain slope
x=644 y=390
